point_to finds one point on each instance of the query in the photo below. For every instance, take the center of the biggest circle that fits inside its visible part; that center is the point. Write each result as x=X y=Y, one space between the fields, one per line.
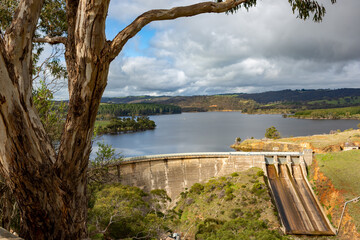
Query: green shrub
x=197 y=188
x=236 y=212
x=244 y=204
x=272 y=133
x=233 y=215
x=211 y=198
x=229 y=191
x=329 y=217
x=258 y=189
x=252 y=201
x=260 y=173
x=229 y=197
x=237 y=228
x=183 y=195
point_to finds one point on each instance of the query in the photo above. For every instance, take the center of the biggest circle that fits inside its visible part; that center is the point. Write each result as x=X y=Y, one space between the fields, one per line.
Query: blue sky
x=264 y=49
x=138 y=45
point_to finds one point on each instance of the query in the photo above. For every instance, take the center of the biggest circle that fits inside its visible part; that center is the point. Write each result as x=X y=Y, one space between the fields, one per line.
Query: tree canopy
x=272 y=133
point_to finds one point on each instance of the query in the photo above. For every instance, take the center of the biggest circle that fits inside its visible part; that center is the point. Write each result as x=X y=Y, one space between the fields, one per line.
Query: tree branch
x=167 y=14
x=51 y=40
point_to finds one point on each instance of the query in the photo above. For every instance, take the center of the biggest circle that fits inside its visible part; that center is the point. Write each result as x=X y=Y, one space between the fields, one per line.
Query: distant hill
x=284 y=99
x=302 y=95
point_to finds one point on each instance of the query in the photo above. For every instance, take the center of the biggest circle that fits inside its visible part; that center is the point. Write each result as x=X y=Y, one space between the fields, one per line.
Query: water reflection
x=212 y=132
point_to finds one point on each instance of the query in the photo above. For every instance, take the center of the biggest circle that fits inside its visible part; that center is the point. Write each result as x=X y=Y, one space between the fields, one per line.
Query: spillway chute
x=299 y=210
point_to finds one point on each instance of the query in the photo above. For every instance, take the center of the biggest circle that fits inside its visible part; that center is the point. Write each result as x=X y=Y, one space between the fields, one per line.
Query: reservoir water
x=212 y=132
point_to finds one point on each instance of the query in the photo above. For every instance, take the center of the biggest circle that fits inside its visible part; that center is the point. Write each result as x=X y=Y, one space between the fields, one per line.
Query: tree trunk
x=51 y=190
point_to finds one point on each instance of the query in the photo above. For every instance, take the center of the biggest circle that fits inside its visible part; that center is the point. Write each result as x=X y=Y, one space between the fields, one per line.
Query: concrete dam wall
x=299 y=210
x=176 y=172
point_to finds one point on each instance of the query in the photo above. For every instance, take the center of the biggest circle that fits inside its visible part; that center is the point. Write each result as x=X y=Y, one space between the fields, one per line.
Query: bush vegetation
x=229 y=207
x=123 y=212
x=272 y=133
x=333 y=113
x=117 y=125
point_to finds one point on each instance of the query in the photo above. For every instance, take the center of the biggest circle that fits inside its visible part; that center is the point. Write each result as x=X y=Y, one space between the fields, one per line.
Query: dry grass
x=324 y=140
x=316 y=141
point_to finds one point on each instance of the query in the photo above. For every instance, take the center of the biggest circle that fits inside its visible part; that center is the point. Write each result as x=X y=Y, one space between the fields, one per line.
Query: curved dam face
x=177 y=172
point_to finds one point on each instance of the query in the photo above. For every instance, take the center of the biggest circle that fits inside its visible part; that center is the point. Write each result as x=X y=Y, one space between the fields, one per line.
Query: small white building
x=350 y=146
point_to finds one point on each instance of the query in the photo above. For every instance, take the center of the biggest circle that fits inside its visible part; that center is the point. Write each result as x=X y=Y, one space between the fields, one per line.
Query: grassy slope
x=343 y=169
x=213 y=200
x=102 y=123
x=324 y=140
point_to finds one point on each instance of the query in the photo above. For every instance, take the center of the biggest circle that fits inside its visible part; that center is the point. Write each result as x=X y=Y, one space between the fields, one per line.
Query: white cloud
x=130 y=9
x=267 y=48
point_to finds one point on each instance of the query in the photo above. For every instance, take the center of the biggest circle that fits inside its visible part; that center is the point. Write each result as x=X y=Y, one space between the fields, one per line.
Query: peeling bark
x=51 y=190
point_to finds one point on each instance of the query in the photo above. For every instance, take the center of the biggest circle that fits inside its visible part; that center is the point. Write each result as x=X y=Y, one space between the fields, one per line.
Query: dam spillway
x=298 y=208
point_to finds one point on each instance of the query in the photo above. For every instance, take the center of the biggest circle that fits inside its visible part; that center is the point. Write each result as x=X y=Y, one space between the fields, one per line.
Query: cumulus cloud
x=267 y=48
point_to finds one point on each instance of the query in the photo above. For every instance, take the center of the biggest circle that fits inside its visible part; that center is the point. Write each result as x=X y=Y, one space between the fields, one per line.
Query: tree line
x=334 y=113
x=137 y=109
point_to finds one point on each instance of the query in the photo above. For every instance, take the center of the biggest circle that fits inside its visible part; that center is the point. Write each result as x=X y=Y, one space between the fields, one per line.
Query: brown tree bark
x=25 y=151
x=6 y=211
x=51 y=189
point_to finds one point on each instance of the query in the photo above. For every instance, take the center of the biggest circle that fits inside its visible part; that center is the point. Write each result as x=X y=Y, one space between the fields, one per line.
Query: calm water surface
x=212 y=132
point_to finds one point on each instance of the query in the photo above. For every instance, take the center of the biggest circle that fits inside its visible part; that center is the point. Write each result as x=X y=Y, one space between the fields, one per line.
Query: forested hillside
x=275 y=101
x=138 y=109
x=302 y=95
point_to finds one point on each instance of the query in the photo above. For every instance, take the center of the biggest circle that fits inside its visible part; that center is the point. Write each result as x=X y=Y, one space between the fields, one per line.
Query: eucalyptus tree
x=50 y=186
